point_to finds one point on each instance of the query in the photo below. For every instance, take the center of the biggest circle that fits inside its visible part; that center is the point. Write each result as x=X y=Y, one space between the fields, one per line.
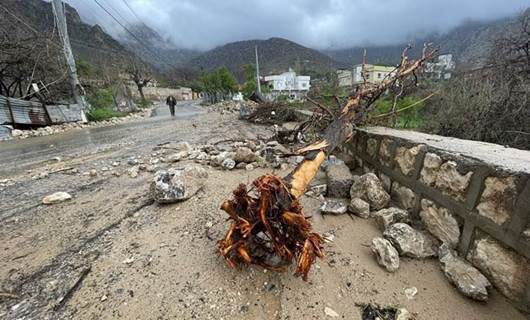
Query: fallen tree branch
x=267 y=224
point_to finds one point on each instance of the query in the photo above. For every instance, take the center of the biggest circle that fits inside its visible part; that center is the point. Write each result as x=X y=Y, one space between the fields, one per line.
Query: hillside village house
x=345 y=77
x=440 y=70
x=373 y=74
x=289 y=84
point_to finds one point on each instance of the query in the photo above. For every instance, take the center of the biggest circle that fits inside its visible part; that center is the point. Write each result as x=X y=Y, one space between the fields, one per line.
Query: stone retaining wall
x=472 y=195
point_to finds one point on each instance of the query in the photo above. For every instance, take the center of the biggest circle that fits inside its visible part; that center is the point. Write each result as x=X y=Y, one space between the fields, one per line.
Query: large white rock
x=468 y=279
x=56 y=197
x=177 y=185
x=440 y=223
x=411 y=242
x=387 y=256
x=369 y=188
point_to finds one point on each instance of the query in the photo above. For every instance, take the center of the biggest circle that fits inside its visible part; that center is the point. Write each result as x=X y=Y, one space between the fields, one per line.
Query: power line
x=118 y=13
x=117 y=21
x=130 y=32
x=130 y=8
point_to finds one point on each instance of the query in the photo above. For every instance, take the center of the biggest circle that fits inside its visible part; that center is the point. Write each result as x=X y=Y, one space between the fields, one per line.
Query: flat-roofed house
x=373 y=74
x=289 y=84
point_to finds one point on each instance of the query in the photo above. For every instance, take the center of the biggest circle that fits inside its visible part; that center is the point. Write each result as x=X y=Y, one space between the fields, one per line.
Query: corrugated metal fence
x=22 y=112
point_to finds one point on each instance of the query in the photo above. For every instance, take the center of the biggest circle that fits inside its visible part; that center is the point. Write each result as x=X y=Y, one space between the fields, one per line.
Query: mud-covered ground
x=110 y=252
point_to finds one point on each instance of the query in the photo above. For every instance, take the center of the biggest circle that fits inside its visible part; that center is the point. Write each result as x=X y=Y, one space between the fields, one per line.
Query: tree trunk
x=268 y=226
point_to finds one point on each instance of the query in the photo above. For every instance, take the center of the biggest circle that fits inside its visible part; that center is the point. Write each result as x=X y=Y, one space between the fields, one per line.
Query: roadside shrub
x=100 y=114
x=102 y=104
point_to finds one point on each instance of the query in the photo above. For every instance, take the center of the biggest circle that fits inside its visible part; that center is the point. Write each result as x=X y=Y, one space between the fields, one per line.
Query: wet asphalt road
x=17 y=155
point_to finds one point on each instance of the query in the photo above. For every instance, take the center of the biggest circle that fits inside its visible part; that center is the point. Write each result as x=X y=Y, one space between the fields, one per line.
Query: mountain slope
x=90 y=43
x=275 y=55
x=469 y=43
x=160 y=52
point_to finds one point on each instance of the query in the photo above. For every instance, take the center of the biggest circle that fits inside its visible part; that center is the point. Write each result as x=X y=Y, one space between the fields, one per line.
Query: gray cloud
x=203 y=24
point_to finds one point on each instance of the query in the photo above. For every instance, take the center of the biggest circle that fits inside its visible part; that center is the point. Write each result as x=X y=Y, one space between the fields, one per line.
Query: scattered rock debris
x=387 y=255
x=330 y=312
x=333 y=207
x=411 y=242
x=468 y=279
x=56 y=197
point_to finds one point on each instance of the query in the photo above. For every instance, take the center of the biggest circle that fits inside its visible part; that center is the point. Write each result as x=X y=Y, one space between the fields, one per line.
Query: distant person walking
x=171 y=102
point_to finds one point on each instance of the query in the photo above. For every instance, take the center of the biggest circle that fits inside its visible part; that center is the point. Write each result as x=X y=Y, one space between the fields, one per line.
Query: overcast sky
x=204 y=24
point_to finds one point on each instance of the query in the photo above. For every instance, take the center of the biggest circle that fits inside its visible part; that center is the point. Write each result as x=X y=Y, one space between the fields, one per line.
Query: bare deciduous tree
x=140 y=76
x=27 y=59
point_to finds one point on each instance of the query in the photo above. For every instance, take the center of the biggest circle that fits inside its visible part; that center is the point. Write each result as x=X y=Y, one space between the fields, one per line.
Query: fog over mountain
x=321 y=24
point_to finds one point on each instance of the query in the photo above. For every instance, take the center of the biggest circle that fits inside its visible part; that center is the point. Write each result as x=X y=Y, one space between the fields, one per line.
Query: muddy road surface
x=110 y=252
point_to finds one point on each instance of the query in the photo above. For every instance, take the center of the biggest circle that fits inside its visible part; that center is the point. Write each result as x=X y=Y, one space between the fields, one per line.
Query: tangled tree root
x=268 y=228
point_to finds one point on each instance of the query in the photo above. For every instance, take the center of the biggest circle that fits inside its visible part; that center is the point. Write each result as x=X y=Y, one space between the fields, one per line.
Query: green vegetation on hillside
x=220 y=80
x=410 y=118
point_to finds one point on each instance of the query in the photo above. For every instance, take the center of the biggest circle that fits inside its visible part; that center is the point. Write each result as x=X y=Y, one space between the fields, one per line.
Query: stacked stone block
x=479 y=207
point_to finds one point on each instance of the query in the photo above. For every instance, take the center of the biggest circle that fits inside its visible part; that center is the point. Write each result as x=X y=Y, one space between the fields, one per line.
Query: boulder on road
x=387 y=256
x=411 y=242
x=468 y=279
x=177 y=185
x=228 y=164
x=340 y=180
x=56 y=197
x=246 y=155
x=369 y=188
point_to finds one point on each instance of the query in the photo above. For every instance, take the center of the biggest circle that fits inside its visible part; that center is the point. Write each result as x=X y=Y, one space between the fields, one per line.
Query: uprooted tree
x=268 y=226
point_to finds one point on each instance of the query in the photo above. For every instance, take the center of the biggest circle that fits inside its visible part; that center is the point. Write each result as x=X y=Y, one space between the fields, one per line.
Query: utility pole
x=257 y=71
x=60 y=19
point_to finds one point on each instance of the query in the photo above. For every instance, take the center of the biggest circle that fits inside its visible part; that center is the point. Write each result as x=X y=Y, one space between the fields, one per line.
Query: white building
x=289 y=84
x=442 y=68
x=345 y=78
